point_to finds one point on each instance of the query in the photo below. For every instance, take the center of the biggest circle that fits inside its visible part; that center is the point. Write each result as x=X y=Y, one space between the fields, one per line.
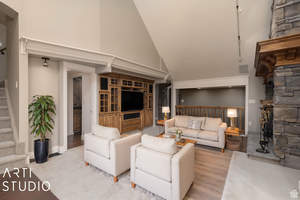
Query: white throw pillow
x=200 y=119
x=181 y=121
x=164 y=145
x=212 y=124
x=106 y=132
x=193 y=124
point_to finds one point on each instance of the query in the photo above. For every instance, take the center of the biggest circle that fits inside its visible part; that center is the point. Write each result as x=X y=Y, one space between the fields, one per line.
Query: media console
x=111 y=86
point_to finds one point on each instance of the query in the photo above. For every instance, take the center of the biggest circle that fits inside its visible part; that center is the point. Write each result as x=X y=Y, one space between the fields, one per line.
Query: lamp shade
x=231 y=113
x=165 y=109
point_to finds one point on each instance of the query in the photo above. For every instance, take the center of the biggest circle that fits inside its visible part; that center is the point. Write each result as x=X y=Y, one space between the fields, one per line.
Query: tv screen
x=131 y=101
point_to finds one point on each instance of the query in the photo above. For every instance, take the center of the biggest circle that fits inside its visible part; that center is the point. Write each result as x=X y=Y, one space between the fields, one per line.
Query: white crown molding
x=103 y=62
x=213 y=82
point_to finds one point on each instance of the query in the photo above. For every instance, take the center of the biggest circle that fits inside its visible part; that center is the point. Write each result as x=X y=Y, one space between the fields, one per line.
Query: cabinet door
x=103 y=103
x=150 y=89
x=103 y=84
x=150 y=101
x=102 y=119
x=116 y=120
x=150 y=115
x=148 y=118
x=114 y=99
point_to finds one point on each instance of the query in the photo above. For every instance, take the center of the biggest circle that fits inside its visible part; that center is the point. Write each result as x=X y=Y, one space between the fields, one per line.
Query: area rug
x=249 y=179
x=70 y=179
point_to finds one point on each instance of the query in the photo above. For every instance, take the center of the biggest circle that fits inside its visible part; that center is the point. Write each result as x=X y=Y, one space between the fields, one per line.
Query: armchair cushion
x=168 y=146
x=97 y=145
x=106 y=132
x=208 y=135
x=212 y=124
x=154 y=163
x=181 y=121
x=173 y=128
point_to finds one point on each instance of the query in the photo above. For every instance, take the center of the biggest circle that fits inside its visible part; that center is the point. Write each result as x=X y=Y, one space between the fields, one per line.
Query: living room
x=162 y=57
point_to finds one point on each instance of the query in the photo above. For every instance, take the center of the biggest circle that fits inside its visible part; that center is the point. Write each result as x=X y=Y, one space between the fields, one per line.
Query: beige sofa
x=105 y=149
x=160 y=167
x=206 y=130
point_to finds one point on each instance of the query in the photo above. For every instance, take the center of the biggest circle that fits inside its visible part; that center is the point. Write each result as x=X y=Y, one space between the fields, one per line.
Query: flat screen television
x=131 y=101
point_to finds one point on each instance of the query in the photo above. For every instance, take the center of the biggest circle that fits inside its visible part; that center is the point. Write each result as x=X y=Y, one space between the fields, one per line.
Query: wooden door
x=77 y=122
x=114 y=99
x=150 y=101
x=104 y=83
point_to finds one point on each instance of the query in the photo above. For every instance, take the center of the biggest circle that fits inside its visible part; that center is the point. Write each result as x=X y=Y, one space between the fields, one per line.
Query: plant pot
x=178 y=138
x=41 y=150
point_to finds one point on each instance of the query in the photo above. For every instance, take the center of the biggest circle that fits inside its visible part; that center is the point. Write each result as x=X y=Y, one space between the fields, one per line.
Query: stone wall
x=285 y=18
x=286 y=138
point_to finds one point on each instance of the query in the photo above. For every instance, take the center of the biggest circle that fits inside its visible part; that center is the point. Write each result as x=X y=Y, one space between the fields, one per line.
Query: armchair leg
x=86 y=164
x=132 y=185
x=222 y=150
x=115 y=179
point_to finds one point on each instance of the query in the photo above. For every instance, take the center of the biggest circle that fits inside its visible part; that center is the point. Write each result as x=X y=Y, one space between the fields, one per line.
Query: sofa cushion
x=173 y=128
x=164 y=145
x=190 y=133
x=201 y=119
x=208 y=135
x=154 y=163
x=106 y=132
x=181 y=121
x=98 y=145
x=212 y=124
x=194 y=124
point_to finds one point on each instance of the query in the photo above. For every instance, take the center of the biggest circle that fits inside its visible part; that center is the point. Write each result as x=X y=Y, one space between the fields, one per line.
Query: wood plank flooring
x=211 y=168
x=23 y=182
x=75 y=140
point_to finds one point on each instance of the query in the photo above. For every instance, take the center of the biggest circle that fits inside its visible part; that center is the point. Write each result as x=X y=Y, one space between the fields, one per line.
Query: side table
x=234 y=144
x=160 y=123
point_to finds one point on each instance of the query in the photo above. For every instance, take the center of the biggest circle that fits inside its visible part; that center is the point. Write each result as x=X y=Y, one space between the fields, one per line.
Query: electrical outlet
x=251 y=100
x=250 y=123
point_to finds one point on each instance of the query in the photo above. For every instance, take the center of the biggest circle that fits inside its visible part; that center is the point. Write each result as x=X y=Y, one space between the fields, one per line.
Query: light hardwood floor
x=211 y=168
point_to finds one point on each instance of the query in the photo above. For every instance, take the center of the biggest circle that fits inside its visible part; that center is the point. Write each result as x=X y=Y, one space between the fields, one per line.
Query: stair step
x=7 y=148
x=12 y=161
x=5 y=122
x=4 y=111
x=3 y=101
x=2 y=92
x=6 y=134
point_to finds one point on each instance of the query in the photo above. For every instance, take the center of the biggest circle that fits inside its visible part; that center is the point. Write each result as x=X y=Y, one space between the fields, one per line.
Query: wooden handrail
x=215 y=112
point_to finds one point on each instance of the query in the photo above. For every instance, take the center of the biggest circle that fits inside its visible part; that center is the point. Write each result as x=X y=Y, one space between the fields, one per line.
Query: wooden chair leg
x=222 y=150
x=86 y=164
x=115 y=179
x=132 y=185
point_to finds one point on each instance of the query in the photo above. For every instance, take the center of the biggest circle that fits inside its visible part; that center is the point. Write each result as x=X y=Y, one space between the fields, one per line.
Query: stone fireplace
x=279 y=59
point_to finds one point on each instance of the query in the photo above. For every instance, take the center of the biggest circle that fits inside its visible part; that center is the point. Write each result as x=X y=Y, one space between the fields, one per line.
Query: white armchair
x=160 y=168
x=106 y=150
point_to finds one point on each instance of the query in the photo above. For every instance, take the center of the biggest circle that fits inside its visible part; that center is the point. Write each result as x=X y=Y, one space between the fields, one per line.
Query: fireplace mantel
x=276 y=52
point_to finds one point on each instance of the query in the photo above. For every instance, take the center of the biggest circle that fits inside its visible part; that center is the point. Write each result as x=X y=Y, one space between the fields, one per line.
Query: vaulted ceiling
x=197 y=39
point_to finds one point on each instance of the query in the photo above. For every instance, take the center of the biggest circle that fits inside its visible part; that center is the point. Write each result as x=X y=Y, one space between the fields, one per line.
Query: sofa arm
x=182 y=171
x=221 y=134
x=120 y=153
x=132 y=161
x=169 y=123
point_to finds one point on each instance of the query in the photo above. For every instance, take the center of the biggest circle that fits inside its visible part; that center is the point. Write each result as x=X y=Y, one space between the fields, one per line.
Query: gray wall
x=213 y=97
x=2 y=57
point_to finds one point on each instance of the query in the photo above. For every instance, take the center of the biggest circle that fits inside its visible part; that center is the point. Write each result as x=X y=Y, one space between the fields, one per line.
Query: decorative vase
x=178 y=137
x=41 y=150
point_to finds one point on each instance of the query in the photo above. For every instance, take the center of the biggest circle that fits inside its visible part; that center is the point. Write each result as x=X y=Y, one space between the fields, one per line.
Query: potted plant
x=39 y=111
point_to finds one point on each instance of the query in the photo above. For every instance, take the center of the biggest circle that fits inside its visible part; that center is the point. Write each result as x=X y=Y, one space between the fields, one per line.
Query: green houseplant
x=40 y=111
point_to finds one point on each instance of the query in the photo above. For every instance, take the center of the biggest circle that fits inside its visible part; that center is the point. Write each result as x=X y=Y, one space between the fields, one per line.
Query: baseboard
x=55 y=149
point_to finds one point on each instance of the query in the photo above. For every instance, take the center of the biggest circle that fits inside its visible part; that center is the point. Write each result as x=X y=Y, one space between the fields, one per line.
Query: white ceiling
x=197 y=39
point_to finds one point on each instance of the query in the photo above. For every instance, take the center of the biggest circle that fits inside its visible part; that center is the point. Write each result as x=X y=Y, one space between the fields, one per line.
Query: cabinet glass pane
x=150 y=89
x=103 y=83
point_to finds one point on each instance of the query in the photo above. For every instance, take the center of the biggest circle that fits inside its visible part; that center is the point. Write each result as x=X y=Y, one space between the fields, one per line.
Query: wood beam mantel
x=276 y=52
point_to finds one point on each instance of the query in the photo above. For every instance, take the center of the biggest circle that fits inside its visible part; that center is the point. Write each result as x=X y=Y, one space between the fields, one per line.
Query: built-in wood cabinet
x=110 y=87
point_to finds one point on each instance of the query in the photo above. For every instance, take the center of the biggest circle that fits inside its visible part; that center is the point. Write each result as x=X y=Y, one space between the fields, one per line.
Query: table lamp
x=165 y=109
x=231 y=113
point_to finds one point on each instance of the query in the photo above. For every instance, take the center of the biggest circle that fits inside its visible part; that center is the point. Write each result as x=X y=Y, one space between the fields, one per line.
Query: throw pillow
x=193 y=124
